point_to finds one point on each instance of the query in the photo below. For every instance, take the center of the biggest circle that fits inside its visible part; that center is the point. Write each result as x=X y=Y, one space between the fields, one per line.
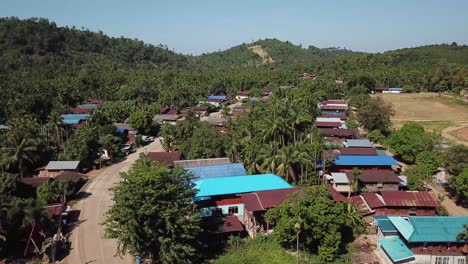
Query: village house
x=256 y=204
x=421 y=239
x=339 y=181
x=54 y=168
x=87 y=107
x=376 y=180
x=239 y=110
x=168 y=111
x=219 y=170
x=166 y=119
x=73 y=119
x=166 y=158
x=217 y=100
x=326 y=124
x=393 y=90
x=345 y=163
x=335 y=105
x=357 y=151
x=242 y=95
x=201 y=110
x=401 y=203
x=358 y=143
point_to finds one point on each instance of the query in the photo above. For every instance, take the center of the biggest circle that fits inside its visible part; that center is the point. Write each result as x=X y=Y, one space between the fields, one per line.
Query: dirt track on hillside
x=461 y=130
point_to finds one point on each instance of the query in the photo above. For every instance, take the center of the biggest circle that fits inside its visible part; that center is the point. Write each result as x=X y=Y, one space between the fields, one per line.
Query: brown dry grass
x=461 y=134
x=429 y=109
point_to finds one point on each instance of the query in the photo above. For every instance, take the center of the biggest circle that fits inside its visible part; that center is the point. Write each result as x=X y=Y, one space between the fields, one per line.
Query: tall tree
x=376 y=115
x=153 y=215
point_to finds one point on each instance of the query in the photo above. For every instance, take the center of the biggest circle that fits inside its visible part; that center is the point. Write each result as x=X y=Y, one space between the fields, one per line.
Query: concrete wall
x=206 y=211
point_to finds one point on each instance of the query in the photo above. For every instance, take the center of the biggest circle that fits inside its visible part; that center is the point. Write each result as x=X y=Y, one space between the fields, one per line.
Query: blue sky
x=197 y=26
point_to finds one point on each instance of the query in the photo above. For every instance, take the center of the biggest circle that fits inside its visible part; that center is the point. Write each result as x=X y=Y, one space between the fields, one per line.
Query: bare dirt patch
x=458 y=133
x=461 y=133
x=258 y=49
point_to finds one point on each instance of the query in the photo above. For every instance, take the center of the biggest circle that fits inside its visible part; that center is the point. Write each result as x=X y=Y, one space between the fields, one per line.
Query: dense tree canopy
x=324 y=225
x=375 y=114
x=410 y=140
x=153 y=215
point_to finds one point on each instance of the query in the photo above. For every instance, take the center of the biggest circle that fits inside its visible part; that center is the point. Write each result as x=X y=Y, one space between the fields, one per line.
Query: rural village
x=316 y=168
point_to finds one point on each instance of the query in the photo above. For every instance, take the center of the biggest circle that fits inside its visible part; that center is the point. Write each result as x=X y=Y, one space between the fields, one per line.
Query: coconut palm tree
x=354 y=185
x=19 y=150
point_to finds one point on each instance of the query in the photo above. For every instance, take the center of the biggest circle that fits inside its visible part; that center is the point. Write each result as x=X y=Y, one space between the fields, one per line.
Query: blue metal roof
x=396 y=249
x=217 y=171
x=216 y=97
x=356 y=160
x=74 y=116
x=429 y=228
x=239 y=184
x=385 y=224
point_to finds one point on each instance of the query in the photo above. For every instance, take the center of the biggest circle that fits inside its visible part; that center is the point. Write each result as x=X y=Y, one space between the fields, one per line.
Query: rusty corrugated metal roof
x=409 y=199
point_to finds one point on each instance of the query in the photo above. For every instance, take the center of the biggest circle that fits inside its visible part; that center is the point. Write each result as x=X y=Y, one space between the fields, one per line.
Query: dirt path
x=452 y=208
x=87 y=239
x=258 y=49
x=446 y=133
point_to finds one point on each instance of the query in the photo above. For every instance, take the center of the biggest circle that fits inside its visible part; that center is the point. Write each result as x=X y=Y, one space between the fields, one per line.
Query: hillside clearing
x=258 y=49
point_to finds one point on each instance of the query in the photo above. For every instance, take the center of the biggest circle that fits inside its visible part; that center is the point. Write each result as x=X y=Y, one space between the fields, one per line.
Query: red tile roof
x=165 y=157
x=376 y=176
x=223 y=224
x=358 y=151
x=262 y=200
x=373 y=200
x=340 y=132
x=327 y=124
x=409 y=199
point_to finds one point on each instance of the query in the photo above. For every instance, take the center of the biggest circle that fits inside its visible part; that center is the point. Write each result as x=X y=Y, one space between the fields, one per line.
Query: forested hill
x=282 y=52
x=40 y=42
x=48 y=69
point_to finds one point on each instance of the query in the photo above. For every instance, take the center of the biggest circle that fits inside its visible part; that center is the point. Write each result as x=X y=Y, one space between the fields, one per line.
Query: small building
x=168 y=111
x=422 y=239
x=166 y=119
x=73 y=119
x=201 y=110
x=335 y=105
x=393 y=90
x=402 y=203
x=340 y=182
x=201 y=162
x=242 y=95
x=342 y=117
x=167 y=158
x=355 y=151
x=256 y=204
x=217 y=171
x=358 y=143
x=376 y=180
x=54 y=168
x=239 y=110
x=217 y=100
x=125 y=129
x=221 y=227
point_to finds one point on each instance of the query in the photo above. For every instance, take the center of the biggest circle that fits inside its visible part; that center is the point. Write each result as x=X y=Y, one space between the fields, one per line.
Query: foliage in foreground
x=325 y=226
x=261 y=251
x=153 y=215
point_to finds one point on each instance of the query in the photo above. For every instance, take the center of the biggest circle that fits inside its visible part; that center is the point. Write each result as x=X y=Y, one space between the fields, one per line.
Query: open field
x=434 y=112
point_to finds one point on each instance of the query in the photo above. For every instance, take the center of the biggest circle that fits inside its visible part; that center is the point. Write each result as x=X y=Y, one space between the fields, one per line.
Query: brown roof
x=360 y=205
x=373 y=200
x=262 y=200
x=406 y=199
x=376 y=176
x=330 y=154
x=342 y=117
x=337 y=197
x=358 y=151
x=327 y=124
x=167 y=158
x=69 y=175
x=222 y=224
x=340 y=132
x=35 y=181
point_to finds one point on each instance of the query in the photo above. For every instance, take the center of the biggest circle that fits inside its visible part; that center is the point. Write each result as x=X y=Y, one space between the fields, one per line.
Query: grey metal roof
x=62 y=165
x=358 y=143
x=161 y=118
x=339 y=177
x=201 y=162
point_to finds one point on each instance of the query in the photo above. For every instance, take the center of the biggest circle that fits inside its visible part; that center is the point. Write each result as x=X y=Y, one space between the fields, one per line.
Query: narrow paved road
x=88 y=244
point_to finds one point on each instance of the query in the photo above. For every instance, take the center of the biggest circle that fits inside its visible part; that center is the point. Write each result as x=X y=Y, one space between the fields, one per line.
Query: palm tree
x=20 y=143
x=354 y=186
x=287 y=157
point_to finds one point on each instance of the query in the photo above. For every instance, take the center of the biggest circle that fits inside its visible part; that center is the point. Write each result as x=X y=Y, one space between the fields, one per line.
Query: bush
x=376 y=136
